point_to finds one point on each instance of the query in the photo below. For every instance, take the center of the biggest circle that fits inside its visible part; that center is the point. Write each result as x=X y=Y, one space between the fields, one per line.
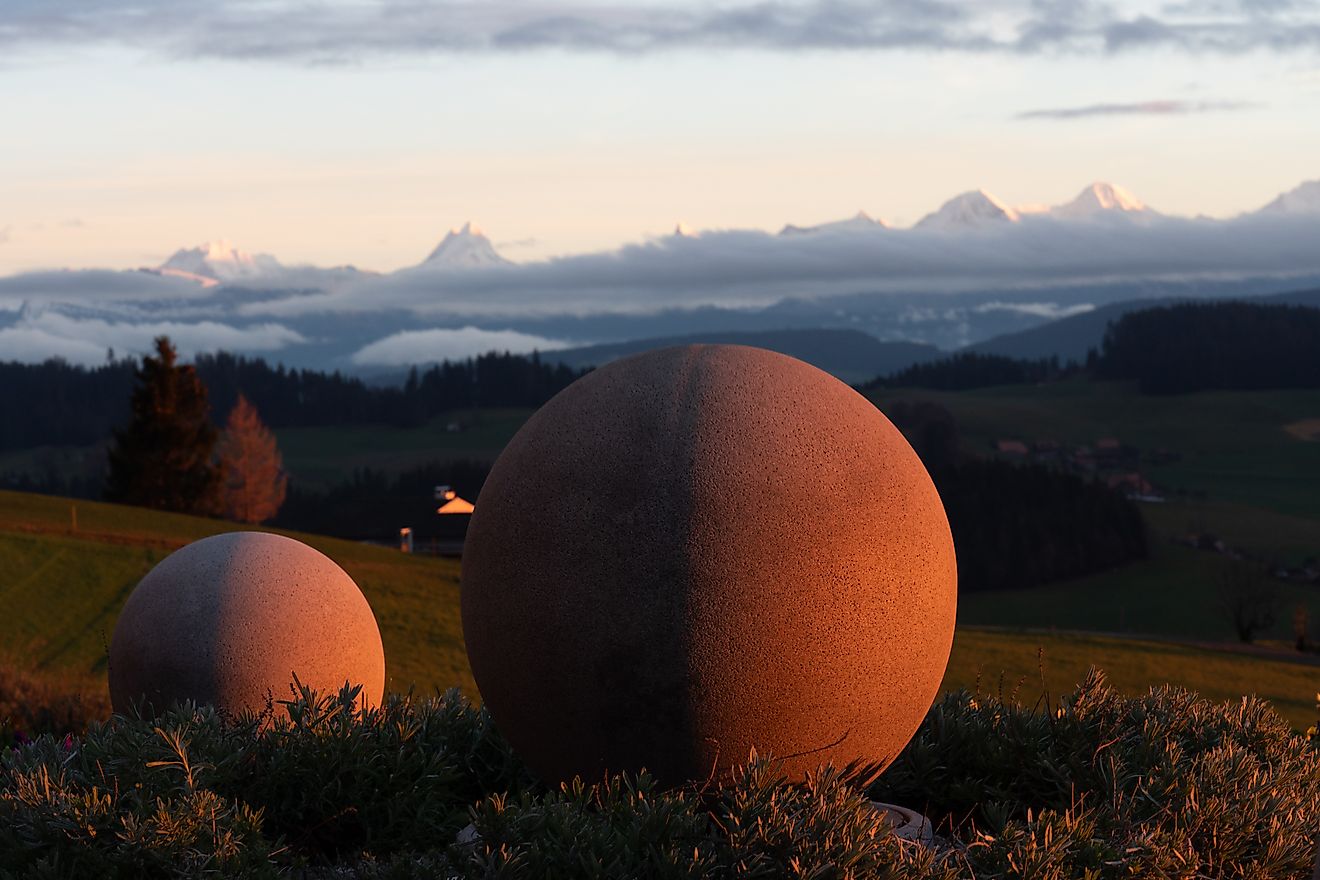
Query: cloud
x=1051 y=311
x=332 y=31
x=40 y=334
x=93 y=285
x=1141 y=108
x=749 y=269
x=425 y=346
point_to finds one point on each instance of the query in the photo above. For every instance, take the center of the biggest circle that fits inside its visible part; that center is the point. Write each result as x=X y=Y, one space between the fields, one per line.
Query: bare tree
x=255 y=482
x=1249 y=597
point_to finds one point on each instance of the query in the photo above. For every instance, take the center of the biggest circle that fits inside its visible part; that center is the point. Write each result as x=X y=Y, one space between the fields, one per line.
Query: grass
x=1013 y=660
x=62 y=589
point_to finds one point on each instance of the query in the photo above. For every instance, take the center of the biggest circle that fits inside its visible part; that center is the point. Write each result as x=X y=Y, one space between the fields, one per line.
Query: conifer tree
x=255 y=482
x=163 y=457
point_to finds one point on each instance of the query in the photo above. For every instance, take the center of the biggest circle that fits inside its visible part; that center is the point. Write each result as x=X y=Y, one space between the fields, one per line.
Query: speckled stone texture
x=228 y=620
x=700 y=550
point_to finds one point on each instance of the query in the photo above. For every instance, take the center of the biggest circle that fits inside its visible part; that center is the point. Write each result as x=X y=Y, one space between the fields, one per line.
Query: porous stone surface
x=230 y=619
x=700 y=550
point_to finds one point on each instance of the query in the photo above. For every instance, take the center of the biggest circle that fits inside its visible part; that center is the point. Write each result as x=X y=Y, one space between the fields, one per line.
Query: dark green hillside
x=1072 y=337
x=1213 y=346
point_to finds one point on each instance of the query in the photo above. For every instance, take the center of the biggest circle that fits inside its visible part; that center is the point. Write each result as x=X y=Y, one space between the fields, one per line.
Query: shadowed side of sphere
x=701 y=550
x=230 y=620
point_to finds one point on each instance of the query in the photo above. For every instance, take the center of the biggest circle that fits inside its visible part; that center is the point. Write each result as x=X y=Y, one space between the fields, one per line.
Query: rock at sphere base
x=231 y=619
x=698 y=551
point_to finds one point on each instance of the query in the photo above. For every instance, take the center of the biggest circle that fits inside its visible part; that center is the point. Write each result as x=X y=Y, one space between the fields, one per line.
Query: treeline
x=1024 y=525
x=1019 y=525
x=56 y=404
x=1213 y=346
x=373 y=505
x=966 y=370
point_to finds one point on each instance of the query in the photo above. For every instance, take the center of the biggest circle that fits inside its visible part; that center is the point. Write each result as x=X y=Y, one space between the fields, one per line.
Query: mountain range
x=468 y=247
x=974 y=269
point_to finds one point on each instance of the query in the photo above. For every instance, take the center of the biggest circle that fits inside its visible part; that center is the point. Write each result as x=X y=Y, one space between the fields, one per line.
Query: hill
x=63 y=585
x=851 y=355
x=62 y=589
x=1200 y=346
x=1072 y=337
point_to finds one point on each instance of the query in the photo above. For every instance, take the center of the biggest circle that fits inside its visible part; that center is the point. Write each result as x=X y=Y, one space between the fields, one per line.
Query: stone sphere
x=702 y=550
x=231 y=619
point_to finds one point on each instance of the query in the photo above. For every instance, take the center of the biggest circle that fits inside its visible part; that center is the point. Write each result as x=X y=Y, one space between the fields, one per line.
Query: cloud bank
x=426 y=346
x=93 y=284
x=749 y=269
x=40 y=334
x=332 y=31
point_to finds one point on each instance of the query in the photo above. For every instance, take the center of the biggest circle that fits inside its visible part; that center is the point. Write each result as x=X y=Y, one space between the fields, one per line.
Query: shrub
x=1167 y=784
x=1105 y=786
x=33 y=703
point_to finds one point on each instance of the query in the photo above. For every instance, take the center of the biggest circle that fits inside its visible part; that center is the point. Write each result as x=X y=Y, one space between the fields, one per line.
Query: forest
x=1220 y=346
x=64 y=405
x=966 y=370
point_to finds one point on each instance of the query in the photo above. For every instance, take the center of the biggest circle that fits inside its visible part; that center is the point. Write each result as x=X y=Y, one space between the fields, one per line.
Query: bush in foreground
x=34 y=703
x=1104 y=786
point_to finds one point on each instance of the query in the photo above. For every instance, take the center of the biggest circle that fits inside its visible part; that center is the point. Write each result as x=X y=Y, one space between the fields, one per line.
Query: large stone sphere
x=231 y=619
x=698 y=551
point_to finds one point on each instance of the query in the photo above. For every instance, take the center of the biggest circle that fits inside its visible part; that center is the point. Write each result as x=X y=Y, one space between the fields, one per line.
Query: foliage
x=1167 y=785
x=255 y=482
x=1203 y=346
x=969 y=369
x=370 y=504
x=1103 y=787
x=66 y=405
x=162 y=458
x=34 y=703
x=1249 y=597
x=1018 y=526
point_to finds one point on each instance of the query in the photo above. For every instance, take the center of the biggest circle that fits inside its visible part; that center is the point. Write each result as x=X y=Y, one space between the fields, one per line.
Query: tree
x=163 y=457
x=1250 y=599
x=255 y=482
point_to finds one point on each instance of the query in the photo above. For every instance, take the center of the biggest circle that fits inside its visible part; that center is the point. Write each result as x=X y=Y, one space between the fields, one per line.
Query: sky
x=359 y=132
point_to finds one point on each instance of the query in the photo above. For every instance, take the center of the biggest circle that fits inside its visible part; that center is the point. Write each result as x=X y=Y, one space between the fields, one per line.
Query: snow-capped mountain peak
x=466 y=247
x=968 y=210
x=1303 y=199
x=859 y=222
x=1100 y=199
x=218 y=261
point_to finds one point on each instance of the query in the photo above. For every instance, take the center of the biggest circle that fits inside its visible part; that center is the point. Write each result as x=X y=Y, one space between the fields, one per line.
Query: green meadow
x=62 y=588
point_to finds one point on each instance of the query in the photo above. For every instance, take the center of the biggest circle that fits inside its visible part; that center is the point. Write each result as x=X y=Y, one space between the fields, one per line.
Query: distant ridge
x=850 y=355
x=1070 y=338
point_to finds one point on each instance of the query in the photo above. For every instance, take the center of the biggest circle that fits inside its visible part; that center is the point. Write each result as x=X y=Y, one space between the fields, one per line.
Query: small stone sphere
x=698 y=551
x=231 y=619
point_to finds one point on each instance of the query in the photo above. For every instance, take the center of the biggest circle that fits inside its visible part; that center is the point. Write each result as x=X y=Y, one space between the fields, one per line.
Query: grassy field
x=1013 y=660
x=62 y=590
